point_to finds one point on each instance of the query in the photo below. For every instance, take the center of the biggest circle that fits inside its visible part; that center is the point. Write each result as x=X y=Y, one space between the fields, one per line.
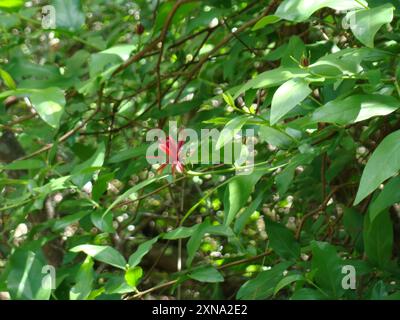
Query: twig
x=71 y=132
x=320 y=208
x=224 y=41
x=162 y=40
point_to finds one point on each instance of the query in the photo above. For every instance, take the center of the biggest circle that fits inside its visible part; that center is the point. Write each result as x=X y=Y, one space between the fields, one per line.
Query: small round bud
x=139 y=29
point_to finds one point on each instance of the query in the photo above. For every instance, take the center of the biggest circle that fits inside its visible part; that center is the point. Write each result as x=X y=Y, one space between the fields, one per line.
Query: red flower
x=172 y=150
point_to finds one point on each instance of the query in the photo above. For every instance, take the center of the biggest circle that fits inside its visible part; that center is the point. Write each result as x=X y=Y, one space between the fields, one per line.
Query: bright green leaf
x=24 y=165
x=237 y=193
x=287 y=281
x=272 y=78
x=388 y=196
x=104 y=254
x=300 y=10
x=263 y=285
x=386 y=157
x=265 y=21
x=8 y=80
x=133 y=275
x=282 y=240
x=207 y=274
x=365 y=23
x=231 y=129
x=83 y=281
x=355 y=108
x=288 y=95
x=25 y=278
x=69 y=15
x=275 y=137
x=141 y=251
x=49 y=104
x=327 y=268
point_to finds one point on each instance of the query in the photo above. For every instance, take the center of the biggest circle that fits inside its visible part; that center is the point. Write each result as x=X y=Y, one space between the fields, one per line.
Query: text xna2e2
x=201 y=309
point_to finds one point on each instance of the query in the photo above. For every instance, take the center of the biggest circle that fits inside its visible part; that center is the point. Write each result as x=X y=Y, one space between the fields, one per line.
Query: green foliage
x=282 y=241
x=386 y=157
x=368 y=22
x=288 y=95
x=22 y=280
x=207 y=274
x=104 y=254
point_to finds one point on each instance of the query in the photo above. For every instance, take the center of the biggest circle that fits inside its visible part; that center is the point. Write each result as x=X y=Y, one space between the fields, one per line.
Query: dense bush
x=83 y=82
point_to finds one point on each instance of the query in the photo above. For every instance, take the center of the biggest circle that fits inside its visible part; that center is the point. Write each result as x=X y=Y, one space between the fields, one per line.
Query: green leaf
x=365 y=23
x=388 y=196
x=275 y=137
x=237 y=193
x=353 y=223
x=262 y=286
x=101 y=185
x=180 y=233
x=308 y=294
x=162 y=13
x=287 y=281
x=103 y=222
x=379 y=291
x=245 y=215
x=282 y=240
x=104 y=254
x=228 y=99
x=207 y=274
x=83 y=281
x=129 y=153
x=327 y=268
x=69 y=15
x=355 y=108
x=8 y=80
x=133 y=275
x=4 y=182
x=378 y=239
x=293 y=53
x=117 y=285
x=231 y=129
x=106 y=61
x=272 y=78
x=68 y=220
x=49 y=104
x=284 y=178
x=195 y=240
x=345 y=62
x=288 y=95
x=11 y=3
x=173 y=109
x=300 y=10
x=393 y=296
x=54 y=185
x=80 y=178
x=24 y=281
x=24 y=165
x=386 y=157
x=265 y=21
x=141 y=251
